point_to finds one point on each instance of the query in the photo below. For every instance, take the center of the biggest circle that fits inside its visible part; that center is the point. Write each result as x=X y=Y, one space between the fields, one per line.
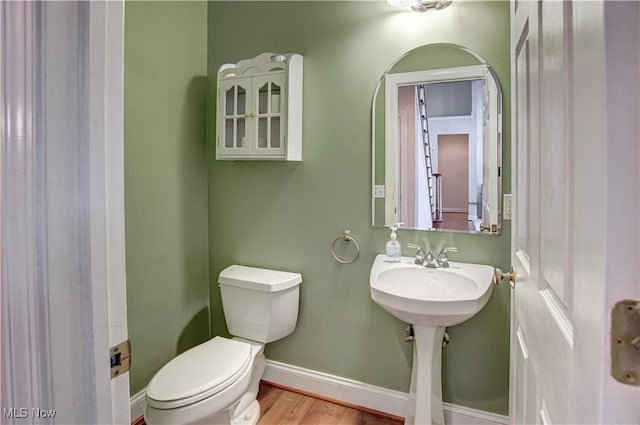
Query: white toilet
x=217 y=381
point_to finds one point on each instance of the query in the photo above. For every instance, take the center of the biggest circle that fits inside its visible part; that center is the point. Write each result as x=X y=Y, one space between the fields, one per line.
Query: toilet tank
x=259 y=304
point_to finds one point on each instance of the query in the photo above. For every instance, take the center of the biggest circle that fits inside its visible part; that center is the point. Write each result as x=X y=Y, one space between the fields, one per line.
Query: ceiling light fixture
x=421 y=6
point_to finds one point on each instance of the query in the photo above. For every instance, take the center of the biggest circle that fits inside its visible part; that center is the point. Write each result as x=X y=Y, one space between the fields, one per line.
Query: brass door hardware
x=625 y=342
x=499 y=276
x=120 y=358
x=491 y=228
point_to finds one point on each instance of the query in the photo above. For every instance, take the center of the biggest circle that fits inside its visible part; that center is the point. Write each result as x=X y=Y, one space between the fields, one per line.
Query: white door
x=492 y=138
x=576 y=227
x=62 y=212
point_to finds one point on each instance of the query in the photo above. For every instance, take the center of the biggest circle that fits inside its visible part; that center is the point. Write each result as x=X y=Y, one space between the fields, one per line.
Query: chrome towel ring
x=346 y=236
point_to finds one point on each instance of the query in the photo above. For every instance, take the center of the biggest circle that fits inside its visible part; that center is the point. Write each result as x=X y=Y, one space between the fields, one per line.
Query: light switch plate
x=378 y=191
x=506 y=207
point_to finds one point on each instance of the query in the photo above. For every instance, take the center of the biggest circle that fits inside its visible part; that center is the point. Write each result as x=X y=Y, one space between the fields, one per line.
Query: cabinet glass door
x=269 y=95
x=235 y=114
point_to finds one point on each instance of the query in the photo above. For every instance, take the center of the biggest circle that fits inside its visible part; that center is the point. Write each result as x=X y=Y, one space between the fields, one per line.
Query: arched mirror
x=437 y=136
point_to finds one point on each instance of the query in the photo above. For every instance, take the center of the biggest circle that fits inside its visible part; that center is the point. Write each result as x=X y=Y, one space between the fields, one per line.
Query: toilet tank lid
x=258 y=279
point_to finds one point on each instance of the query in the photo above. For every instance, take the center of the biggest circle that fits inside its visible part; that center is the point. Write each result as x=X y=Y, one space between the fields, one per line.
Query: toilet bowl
x=217 y=381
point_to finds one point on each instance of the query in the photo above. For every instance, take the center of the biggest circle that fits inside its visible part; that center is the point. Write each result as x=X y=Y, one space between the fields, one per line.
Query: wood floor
x=279 y=406
x=283 y=407
x=454 y=221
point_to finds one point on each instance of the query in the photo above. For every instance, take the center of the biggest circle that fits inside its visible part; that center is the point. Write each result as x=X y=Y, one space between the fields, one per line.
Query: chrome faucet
x=428 y=259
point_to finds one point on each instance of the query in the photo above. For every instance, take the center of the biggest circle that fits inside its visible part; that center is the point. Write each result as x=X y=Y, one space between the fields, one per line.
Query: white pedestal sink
x=429 y=299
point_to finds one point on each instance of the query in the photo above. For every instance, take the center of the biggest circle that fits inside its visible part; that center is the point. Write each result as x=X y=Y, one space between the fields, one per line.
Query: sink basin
x=430 y=297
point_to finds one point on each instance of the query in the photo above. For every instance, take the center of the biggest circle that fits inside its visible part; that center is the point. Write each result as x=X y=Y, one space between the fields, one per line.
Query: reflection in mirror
x=439 y=165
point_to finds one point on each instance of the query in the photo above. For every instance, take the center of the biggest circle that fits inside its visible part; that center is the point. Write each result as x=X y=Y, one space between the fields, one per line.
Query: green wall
x=286 y=215
x=165 y=182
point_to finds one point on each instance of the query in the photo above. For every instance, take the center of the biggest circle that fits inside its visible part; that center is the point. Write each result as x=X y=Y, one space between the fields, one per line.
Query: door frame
x=107 y=223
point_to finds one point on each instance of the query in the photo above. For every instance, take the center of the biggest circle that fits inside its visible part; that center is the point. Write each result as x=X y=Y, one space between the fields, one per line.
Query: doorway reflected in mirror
x=440 y=161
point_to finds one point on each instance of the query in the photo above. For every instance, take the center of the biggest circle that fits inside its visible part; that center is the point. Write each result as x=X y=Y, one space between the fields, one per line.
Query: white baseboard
x=351 y=392
x=138 y=405
x=455 y=210
x=460 y=415
x=337 y=388
x=366 y=395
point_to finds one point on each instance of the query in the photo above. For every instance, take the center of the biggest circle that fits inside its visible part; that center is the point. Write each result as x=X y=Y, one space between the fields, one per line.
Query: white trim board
x=352 y=392
x=336 y=388
x=138 y=405
x=366 y=395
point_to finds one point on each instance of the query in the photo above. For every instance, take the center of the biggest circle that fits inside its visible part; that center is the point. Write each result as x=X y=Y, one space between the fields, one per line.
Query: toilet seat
x=199 y=373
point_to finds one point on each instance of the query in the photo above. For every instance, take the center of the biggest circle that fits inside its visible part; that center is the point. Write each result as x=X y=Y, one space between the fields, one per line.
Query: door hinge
x=120 y=358
x=625 y=342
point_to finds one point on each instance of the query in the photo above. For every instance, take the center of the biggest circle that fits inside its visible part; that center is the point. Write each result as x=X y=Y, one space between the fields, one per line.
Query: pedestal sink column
x=425 y=395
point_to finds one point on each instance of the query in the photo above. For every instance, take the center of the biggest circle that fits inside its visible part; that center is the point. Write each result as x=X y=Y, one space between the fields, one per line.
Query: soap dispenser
x=394 y=249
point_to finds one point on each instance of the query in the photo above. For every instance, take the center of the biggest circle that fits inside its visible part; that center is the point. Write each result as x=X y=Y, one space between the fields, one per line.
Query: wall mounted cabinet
x=259 y=109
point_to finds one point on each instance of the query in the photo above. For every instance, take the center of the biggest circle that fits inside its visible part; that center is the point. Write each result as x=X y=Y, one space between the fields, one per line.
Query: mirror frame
x=495 y=228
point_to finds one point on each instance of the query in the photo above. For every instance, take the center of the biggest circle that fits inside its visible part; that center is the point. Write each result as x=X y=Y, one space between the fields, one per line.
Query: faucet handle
x=415 y=246
x=419 y=252
x=443 y=260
